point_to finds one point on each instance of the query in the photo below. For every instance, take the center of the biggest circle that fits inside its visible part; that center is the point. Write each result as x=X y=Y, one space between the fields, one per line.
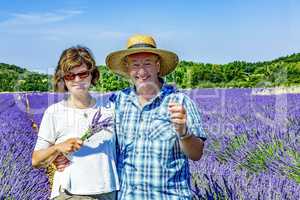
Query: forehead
x=142 y=56
x=78 y=69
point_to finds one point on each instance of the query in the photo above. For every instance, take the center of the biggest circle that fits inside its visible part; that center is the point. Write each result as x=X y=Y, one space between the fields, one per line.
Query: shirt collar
x=166 y=89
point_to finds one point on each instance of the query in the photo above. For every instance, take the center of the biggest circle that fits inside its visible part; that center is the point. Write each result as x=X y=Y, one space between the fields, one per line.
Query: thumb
x=79 y=141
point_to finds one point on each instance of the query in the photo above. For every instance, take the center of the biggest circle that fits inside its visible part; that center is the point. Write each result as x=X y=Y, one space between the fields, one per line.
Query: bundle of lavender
x=97 y=125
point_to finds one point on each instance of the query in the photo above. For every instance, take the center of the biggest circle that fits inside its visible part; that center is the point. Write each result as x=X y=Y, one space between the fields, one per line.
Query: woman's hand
x=69 y=146
x=44 y=157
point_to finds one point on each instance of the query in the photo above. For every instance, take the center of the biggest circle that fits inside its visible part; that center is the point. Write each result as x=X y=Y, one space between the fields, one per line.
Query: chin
x=78 y=91
x=147 y=86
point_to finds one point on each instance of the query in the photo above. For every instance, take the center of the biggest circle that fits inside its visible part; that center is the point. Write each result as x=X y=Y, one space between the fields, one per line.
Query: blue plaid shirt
x=151 y=164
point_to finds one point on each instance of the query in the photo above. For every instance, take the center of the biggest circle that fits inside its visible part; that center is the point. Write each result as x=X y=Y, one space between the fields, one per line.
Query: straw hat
x=140 y=44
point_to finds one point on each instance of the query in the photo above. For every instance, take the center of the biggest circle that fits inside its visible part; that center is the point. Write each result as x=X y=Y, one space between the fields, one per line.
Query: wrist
x=184 y=132
x=184 y=136
x=57 y=148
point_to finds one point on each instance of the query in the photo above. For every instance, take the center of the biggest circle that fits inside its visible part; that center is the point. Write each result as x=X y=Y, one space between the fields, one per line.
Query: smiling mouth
x=81 y=86
x=143 y=79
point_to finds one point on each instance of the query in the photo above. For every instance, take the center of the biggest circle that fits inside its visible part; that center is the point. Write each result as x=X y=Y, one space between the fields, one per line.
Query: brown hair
x=71 y=58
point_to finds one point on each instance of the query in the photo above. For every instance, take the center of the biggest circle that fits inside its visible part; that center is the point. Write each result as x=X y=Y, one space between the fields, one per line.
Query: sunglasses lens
x=83 y=75
x=69 y=77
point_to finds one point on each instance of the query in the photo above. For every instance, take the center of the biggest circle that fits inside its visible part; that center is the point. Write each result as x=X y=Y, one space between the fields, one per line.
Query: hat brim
x=115 y=60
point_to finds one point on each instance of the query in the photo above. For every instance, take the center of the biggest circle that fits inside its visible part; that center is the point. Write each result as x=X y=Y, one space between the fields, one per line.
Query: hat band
x=142 y=45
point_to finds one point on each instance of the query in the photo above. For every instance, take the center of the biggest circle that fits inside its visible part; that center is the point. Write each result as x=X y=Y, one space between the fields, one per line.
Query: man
x=158 y=128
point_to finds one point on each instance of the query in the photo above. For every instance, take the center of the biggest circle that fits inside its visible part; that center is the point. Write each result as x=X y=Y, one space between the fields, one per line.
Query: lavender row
x=252 y=151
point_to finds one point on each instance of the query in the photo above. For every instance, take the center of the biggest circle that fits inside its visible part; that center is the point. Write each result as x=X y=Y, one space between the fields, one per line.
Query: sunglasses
x=82 y=75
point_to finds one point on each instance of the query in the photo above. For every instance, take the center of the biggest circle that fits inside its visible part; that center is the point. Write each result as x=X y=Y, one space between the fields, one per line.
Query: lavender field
x=253 y=149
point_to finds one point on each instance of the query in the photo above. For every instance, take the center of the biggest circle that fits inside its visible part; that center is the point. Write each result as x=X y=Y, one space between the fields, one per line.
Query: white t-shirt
x=93 y=167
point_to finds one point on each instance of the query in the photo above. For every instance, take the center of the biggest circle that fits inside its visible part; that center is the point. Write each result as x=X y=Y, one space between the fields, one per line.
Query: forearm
x=192 y=147
x=44 y=157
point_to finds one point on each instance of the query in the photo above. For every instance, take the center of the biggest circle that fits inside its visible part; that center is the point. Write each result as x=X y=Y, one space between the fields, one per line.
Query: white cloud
x=18 y=19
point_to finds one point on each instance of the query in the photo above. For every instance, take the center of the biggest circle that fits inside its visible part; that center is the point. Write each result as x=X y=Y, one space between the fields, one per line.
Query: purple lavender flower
x=97 y=125
x=18 y=179
x=252 y=150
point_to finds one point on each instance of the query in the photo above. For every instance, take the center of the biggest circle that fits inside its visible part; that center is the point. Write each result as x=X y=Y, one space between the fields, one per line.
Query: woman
x=91 y=173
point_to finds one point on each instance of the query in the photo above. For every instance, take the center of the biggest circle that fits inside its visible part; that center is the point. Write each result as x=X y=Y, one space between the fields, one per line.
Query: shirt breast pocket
x=162 y=138
x=161 y=128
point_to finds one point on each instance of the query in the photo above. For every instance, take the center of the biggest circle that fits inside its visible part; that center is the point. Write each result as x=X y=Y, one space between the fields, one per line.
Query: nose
x=142 y=71
x=77 y=78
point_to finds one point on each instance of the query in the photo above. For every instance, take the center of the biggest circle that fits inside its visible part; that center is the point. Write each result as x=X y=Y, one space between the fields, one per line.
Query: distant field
x=275 y=91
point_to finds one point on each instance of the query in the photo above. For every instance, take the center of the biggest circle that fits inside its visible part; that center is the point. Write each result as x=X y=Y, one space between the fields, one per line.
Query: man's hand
x=191 y=146
x=61 y=162
x=178 y=117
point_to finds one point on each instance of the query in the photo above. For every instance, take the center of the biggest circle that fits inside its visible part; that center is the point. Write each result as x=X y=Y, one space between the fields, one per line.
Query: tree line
x=283 y=71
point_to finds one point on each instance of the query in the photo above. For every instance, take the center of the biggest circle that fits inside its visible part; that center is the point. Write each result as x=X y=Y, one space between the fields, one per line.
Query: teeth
x=144 y=78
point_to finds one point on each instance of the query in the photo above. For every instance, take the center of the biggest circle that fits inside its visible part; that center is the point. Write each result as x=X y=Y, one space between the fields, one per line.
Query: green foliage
x=236 y=143
x=259 y=160
x=34 y=82
x=284 y=71
x=256 y=160
x=109 y=81
x=13 y=78
x=293 y=171
x=291 y=58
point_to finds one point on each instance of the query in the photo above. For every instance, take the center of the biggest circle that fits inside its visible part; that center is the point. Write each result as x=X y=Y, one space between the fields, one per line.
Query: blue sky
x=33 y=33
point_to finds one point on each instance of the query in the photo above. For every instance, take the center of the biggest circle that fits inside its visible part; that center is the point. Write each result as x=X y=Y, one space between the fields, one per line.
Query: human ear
x=158 y=66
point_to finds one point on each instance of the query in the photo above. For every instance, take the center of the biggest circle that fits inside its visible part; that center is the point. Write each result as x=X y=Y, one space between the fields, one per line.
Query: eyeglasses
x=146 y=64
x=82 y=75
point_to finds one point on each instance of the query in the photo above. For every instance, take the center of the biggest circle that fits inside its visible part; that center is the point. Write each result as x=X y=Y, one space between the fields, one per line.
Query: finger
x=57 y=162
x=61 y=161
x=177 y=109
x=74 y=140
x=174 y=109
x=76 y=146
x=178 y=121
x=60 y=157
x=61 y=168
x=172 y=103
x=71 y=140
x=178 y=115
x=175 y=120
x=68 y=149
x=78 y=141
x=57 y=159
x=62 y=165
x=72 y=150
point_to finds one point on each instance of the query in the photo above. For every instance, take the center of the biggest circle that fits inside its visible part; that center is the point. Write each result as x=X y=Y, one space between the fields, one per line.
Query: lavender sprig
x=97 y=125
